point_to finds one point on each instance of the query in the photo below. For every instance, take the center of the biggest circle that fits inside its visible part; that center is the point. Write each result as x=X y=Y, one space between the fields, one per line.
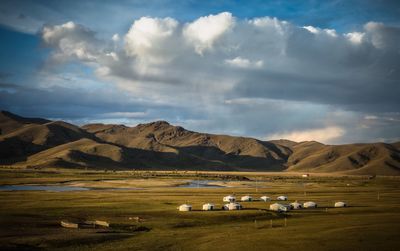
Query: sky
x=301 y=70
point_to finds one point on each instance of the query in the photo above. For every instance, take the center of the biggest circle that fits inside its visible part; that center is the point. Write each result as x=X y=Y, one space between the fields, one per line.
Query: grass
x=30 y=219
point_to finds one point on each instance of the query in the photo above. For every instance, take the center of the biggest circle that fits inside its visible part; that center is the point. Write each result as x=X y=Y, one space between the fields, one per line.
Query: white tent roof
x=310 y=204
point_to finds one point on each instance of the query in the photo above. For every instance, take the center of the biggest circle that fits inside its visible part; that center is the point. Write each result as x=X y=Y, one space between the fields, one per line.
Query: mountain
x=34 y=142
x=374 y=158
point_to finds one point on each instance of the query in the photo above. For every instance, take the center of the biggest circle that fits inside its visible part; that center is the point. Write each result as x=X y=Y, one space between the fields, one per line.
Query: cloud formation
x=257 y=77
x=320 y=135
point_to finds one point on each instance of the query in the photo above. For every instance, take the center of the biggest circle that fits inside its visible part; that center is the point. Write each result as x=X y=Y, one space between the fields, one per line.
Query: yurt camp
x=295 y=205
x=208 y=207
x=185 y=208
x=310 y=204
x=232 y=206
x=278 y=207
x=265 y=198
x=246 y=198
x=340 y=204
x=229 y=198
x=282 y=197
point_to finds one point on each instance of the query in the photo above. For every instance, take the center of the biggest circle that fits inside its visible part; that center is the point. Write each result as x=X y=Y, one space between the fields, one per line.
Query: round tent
x=208 y=207
x=265 y=198
x=310 y=204
x=278 y=207
x=229 y=198
x=246 y=198
x=295 y=205
x=232 y=206
x=340 y=204
x=282 y=197
x=185 y=207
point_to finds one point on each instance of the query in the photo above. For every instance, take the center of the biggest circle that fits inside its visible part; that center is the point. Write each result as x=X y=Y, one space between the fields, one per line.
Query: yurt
x=232 y=206
x=278 y=207
x=282 y=197
x=340 y=204
x=295 y=205
x=229 y=198
x=246 y=198
x=265 y=198
x=310 y=204
x=185 y=207
x=208 y=207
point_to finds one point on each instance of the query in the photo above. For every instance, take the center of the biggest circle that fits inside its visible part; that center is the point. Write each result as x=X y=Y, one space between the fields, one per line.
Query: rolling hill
x=34 y=142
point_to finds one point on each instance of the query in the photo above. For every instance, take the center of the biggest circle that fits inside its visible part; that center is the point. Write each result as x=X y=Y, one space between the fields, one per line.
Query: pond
x=200 y=184
x=41 y=188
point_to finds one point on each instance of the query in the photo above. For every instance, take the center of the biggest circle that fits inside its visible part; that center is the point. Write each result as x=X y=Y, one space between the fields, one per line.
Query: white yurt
x=229 y=198
x=282 y=197
x=246 y=198
x=278 y=207
x=185 y=207
x=295 y=205
x=340 y=204
x=265 y=198
x=208 y=207
x=310 y=204
x=233 y=206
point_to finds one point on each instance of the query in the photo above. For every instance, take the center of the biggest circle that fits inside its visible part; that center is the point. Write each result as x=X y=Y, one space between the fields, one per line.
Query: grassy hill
x=159 y=145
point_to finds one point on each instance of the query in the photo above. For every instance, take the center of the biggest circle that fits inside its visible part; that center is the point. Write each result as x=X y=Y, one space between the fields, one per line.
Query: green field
x=30 y=220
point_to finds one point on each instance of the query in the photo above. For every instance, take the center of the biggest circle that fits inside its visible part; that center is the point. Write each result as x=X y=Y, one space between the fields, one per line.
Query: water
x=200 y=184
x=41 y=188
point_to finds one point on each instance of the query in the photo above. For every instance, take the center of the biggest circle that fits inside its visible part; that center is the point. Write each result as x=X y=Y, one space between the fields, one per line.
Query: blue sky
x=323 y=70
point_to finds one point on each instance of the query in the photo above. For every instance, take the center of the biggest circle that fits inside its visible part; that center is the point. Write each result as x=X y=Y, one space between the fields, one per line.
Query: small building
x=229 y=198
x=306 y=175
x=282 y=197
x=208 y=207
x=246 y=198
x=309 y=204
x=278 y=207
x=340 y=204
x=295 y=205
x=265 y=198
x=232 y=206
x=185 y=207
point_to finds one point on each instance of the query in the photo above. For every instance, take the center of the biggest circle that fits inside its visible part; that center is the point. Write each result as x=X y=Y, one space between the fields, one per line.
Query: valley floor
x=30 y=220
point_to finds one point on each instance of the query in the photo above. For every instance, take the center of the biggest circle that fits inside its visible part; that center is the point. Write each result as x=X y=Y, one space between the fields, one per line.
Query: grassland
x=29 y=220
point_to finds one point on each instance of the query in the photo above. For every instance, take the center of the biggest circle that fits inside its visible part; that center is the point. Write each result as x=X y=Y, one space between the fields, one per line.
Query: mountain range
x=42 y=143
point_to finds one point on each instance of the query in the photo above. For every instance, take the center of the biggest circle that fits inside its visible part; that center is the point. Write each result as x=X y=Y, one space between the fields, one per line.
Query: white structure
x=282 y=197
x=340 y=204
x=229 y=198
x=278 y=207
x=295 y=205
x=185 y=207
x=305 y=175
x=233 y=206
x=208 y=207
x=265 y=198
x=310 y=204
x=246 y=198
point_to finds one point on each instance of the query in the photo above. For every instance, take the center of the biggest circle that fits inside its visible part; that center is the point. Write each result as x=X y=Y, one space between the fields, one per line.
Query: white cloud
x=71 y=40
x=355 y=37
x=150 y=38
x=115 y=37
x=301 y=73
x=204 y=32
x=244 y=63
x=312 y=29
x=324 y=135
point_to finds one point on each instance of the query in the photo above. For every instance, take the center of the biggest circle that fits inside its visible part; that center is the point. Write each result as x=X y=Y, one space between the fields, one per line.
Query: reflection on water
x=41 y=188
x=200 y=184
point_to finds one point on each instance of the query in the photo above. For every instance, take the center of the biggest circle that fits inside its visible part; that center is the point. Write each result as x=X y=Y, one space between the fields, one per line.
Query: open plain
x=141 y=207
